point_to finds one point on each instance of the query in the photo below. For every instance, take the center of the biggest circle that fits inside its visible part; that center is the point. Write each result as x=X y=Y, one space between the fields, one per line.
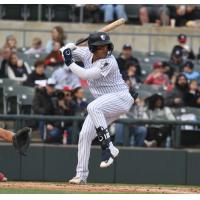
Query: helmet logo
x=103 y=37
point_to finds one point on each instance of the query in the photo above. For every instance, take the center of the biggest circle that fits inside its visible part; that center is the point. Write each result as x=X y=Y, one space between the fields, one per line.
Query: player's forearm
x=88 y=74
x=6 y=135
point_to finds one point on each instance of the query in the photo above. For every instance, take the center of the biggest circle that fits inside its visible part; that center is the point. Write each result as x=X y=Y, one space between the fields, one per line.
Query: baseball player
x=20 y=140
x=112 y=98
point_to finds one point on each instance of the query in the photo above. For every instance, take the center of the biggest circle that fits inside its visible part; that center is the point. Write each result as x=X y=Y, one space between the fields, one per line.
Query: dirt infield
x=100 y=188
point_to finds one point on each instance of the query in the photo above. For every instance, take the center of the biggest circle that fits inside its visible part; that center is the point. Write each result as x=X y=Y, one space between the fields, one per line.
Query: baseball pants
x=101 y=112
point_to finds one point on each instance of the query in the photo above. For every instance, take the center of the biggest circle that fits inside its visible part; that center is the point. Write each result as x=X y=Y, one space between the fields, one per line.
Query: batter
x=112 y=98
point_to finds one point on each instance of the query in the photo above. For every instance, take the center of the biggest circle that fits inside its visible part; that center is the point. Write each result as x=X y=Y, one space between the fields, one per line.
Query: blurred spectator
x=186 y=51
x=131 y=73
x=111 y=9
x=176 y=98
x=64 y=76
x=79 y=101
x=168 y=69
x=188 y=70
x=17 y=69
x=57 y=35
x=157 y=77
x=11 y=43
x=37 y=74
x=154 y=13
x=137 y=132
x=184 y=13
x=157 y=134
x=36 y=47
x=192 y=98
x=54 y=58
x=92 y=13
x=176 y=59
x=43 y=105
x=64 y=106
x=126 y=56
x=5 y=55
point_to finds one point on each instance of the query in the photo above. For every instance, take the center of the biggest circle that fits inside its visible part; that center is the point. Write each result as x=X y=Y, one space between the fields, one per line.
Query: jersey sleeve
x=106 y=66
x=79 y=53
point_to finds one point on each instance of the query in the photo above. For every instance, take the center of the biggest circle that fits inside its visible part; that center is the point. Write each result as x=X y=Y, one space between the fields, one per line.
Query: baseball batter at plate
x=112 y=98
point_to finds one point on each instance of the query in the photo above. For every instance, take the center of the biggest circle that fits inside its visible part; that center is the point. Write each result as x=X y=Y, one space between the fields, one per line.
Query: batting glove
x=67 y=54
x=71 y=46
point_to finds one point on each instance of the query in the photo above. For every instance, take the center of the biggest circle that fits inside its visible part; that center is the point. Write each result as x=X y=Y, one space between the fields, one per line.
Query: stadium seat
x=62 y=13
x=25 y=103
x=13 y=11
x=132 y=11
x=33 y=12
x=14 y=96
x=7 y=81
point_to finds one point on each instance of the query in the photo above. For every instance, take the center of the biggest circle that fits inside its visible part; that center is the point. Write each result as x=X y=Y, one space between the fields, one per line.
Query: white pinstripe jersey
x=111 y=79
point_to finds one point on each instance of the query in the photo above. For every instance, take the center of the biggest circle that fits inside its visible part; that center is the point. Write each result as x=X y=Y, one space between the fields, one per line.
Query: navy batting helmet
x=98 y=39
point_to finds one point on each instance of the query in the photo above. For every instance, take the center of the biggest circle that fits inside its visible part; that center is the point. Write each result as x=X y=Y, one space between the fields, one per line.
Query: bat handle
x=82 y=41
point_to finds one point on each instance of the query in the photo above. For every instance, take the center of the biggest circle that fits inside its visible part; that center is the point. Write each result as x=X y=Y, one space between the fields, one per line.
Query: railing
x=176 y=133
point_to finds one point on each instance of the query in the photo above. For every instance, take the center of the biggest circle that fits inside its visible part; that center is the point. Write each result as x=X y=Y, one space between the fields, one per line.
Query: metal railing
x=176 y=133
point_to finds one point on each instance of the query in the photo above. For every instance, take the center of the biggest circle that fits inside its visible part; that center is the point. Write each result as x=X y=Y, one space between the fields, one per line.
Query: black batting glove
x=67 y=54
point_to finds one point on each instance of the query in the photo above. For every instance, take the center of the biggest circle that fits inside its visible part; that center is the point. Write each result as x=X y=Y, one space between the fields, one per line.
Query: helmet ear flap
x=111 y=47
x=92 y=48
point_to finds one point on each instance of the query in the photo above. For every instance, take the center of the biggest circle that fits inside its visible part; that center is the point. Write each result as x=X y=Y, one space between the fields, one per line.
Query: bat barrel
x=106 y=28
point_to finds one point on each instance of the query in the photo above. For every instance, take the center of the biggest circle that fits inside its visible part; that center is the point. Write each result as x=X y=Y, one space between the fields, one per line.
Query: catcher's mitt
x=21 y=140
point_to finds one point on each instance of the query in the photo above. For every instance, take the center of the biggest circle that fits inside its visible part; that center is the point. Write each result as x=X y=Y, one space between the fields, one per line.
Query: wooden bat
x=106 y=28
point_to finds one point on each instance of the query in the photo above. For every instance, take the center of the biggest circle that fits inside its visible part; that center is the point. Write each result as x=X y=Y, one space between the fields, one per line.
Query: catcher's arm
x=6 y=135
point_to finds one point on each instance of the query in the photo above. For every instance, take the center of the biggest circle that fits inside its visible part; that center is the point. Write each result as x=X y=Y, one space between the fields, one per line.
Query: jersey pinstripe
x=111 y=79
x=112 y=100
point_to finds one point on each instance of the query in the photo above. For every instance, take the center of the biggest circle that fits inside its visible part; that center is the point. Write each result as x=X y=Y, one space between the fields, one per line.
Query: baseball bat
x=106 y=28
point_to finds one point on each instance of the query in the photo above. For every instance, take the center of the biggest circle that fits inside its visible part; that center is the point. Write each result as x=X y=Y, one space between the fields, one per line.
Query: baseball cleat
x=77 y=181
x=108 y=156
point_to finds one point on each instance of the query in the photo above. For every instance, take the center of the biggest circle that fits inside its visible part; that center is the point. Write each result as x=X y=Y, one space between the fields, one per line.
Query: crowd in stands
x=175 y=82
x=160 y=14
x=140 y=14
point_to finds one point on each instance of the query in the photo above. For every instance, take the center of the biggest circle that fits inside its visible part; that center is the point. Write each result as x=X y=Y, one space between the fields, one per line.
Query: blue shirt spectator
x=188 y=70
x=65 y=77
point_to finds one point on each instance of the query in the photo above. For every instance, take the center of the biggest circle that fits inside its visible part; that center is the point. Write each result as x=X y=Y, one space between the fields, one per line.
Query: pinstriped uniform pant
x=101 y=112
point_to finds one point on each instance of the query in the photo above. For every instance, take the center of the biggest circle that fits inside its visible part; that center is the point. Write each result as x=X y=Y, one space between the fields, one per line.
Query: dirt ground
x=101 y=188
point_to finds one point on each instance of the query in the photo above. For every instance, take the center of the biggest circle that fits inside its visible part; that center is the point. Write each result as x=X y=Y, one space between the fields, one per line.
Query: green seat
x=62 y=13
x=13 y=11
x=7 y=82
x=33 y=12
x=14 y=96
x=132 y=11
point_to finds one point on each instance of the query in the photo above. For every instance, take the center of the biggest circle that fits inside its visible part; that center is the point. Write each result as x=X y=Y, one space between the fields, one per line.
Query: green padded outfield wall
x=134 y=165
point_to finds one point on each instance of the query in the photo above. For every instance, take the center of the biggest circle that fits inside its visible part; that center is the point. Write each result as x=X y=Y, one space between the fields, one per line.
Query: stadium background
x=175 y=164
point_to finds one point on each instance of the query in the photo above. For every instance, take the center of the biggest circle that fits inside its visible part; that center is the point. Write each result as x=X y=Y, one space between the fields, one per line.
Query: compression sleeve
x=87 y=74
